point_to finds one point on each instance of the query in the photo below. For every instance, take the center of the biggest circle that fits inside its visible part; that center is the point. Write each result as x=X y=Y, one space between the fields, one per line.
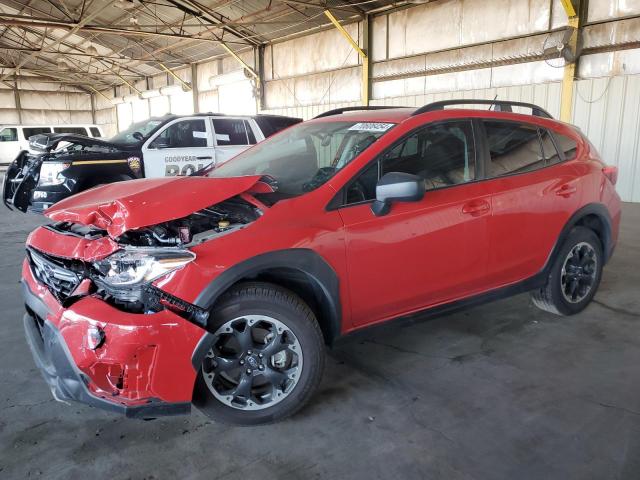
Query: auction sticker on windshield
x=371 y=127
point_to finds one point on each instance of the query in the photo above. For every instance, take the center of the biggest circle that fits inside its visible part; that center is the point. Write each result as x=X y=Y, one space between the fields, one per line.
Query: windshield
x=305 y=156
x=143 y=129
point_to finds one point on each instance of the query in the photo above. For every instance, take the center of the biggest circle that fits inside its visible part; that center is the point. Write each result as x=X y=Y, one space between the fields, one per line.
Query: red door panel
x=528 y=213
x=420 y=254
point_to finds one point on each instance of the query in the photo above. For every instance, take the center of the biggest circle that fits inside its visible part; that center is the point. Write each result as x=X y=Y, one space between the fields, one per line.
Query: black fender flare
x=600 y=211
x=320 y=275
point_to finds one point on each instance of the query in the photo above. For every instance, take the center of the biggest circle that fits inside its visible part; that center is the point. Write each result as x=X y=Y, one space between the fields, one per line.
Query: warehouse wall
x=442 y=49
x=168 y=96
x=445 y=49
x=105 y=112
x=50 y=103
x=222 y=86
x=44 y=103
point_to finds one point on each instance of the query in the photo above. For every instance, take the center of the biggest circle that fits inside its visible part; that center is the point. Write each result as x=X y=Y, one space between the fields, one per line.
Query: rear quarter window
x=95 y=133
x=567 y=145
x=551 y=156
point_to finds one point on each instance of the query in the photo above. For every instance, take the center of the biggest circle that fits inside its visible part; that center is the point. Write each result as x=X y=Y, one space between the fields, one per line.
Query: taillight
x=611 y=173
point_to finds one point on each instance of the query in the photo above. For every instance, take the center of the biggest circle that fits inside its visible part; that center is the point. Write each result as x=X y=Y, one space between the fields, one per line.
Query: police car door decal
x=179 y=149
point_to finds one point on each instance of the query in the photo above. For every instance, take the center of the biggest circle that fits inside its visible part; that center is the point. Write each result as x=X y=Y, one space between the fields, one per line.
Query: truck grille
x=60 y=280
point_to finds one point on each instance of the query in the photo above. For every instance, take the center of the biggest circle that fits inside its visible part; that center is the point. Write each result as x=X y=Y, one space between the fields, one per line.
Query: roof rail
x=338 y=111
x=501 y=106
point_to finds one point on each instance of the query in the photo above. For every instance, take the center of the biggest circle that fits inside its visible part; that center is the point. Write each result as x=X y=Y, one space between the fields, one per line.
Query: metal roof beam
x=27 y=22
x=79 y=25
x=41 y=53
x=350 y=11
x=198 y=10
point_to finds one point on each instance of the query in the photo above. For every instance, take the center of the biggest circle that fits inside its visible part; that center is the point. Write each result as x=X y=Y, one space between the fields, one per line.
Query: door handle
x=476 y=208
x=204 y=158
x=566 y=190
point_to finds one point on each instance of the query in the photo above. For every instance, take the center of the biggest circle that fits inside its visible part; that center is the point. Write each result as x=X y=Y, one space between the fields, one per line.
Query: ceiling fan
x=557 y=51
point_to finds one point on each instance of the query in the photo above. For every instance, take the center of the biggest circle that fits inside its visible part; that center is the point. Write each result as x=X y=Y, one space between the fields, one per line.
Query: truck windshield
x=136 y=131
x=306 y=156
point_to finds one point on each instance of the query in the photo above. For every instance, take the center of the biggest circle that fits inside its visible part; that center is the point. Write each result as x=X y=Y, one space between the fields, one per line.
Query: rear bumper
x=142 y=369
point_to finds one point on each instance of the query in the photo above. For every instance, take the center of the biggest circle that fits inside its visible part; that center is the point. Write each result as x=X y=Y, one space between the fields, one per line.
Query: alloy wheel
x=579 y=272
x=255 y=362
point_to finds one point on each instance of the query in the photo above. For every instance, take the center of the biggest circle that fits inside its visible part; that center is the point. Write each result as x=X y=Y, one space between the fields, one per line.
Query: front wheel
x=574 y=276
x=266 y=356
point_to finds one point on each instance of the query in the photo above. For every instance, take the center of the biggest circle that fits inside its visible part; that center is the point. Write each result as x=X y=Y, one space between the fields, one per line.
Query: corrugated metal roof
x=133 y=36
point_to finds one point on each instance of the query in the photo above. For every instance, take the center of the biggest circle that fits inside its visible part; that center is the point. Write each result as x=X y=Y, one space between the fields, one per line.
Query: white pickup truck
x=157 y=147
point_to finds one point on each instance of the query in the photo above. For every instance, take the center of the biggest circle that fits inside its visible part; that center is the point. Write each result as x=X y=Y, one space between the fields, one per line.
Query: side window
x=95 y=132
x=252 y=137
x=72 y=130
x=182 y=134
x=443 y=154
x=567 y=145
x=551 y=156
x=9 y=135
x=514 y=148
x=364 y=187
x=230 y=131
x=28 y=132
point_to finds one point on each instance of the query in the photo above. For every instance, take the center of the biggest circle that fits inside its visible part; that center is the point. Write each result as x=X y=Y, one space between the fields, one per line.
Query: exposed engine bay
x=66 y=278
x=198 y=227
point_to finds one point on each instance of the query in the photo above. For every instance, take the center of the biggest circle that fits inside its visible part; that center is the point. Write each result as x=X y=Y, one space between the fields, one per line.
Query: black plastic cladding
x=307 y=262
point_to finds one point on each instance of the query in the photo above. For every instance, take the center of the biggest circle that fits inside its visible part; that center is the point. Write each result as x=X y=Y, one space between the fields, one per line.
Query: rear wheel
x=266 y=357
x=574 y=276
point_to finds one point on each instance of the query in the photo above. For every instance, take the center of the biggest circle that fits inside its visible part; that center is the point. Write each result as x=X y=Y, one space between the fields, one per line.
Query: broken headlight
x=50 y=173
x=133 y=266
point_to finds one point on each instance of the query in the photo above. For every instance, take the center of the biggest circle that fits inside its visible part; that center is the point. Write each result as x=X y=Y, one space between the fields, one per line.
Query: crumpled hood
x=121 y=206
x=45 y=142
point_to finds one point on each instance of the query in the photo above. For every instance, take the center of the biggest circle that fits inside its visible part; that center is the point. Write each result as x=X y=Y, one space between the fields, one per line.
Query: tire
x=559 y=295
x=262 y=308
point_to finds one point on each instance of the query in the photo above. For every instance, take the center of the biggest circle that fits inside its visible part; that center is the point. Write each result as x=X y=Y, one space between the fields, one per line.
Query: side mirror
x=397 y=187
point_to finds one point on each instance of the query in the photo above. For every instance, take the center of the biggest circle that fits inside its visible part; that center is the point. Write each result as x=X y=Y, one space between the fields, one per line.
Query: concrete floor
x=502 y=391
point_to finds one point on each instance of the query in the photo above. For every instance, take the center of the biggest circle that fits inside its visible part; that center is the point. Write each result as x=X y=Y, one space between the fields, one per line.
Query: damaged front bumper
x=20 y=188
x=19 y=181
x=141 y=368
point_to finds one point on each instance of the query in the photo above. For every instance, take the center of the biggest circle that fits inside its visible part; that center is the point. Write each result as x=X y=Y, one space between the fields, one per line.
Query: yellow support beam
x=100 y=93
x=185 y=85
x=362 y=53
x=128 y=84
x=568 y=78
x=251 y=71
x=568 y=7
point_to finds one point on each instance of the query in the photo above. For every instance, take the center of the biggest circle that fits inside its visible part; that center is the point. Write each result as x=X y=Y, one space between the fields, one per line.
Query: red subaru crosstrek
x=219 y=290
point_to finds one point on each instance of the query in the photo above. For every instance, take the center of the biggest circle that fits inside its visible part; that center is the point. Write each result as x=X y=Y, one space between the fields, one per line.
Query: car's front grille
x=60 y=280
